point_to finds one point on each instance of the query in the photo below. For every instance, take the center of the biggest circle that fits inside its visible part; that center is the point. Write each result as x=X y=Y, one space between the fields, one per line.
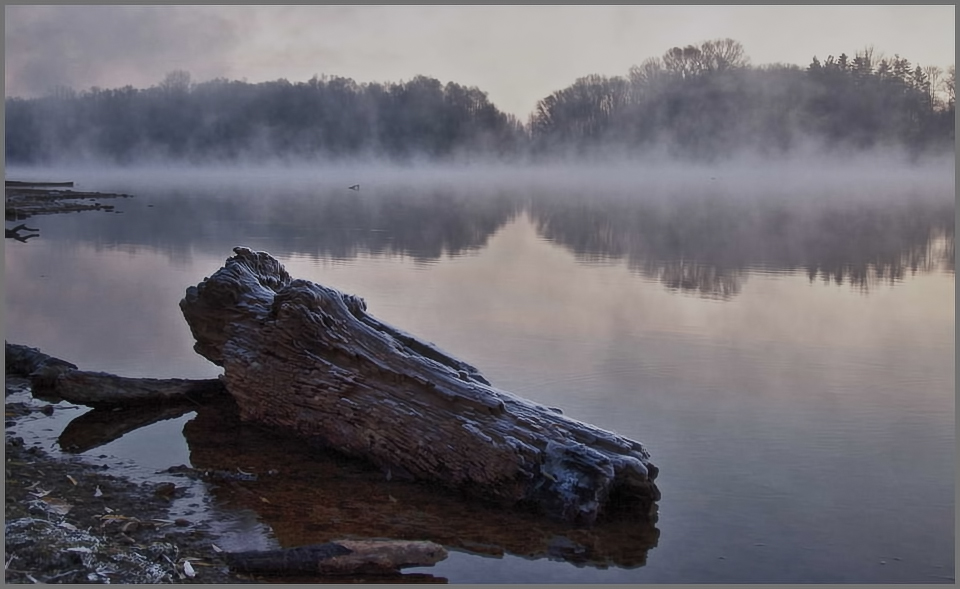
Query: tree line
x=706 y=101
x=223 y=120
x=699 y=102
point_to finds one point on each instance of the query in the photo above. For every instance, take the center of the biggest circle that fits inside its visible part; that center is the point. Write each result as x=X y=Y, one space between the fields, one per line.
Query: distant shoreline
x=26 y=199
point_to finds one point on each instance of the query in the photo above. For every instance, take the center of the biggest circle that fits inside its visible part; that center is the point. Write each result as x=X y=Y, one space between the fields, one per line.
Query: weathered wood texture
x=342 y=557
x=55 y=378
x=310 y=360
x=42 y=369
x=100 y=389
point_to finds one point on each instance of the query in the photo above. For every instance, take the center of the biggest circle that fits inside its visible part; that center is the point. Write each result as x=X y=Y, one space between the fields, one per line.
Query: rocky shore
x=71 y=522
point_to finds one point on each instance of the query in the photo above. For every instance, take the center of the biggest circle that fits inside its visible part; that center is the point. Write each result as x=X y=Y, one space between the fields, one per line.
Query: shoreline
x=68 y=521
x=26 y=199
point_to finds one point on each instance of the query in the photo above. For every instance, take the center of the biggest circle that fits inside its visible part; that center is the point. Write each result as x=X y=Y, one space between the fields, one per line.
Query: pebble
x=182 y=522
x=165 y=490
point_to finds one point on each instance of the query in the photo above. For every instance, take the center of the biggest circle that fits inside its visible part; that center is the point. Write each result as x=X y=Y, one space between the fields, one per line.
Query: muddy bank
x=71 y=522
x=67 y=522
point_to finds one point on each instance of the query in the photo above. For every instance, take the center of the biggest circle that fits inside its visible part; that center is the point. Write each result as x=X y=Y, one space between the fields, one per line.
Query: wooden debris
x=56 y=378
x=14 y=233
x=100 y=389
x=310 y=360
x=342 y=557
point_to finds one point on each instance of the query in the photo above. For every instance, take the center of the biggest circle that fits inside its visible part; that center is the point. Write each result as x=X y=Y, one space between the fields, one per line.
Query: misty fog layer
x=698 y=229
x=696 y=103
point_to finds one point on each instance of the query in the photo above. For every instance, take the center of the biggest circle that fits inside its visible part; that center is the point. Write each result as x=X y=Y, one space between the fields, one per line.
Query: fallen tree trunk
x=310 y=360
x=103 y=390
x=343 y=557
x=55 y=378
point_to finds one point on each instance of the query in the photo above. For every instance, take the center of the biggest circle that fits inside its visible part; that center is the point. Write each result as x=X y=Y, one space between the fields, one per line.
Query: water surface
x=784 y=350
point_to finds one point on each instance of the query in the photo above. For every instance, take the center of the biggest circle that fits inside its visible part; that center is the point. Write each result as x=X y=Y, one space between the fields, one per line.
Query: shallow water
x=786 y=353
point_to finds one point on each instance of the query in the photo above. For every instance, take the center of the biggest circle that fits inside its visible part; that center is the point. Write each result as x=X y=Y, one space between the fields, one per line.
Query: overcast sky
x=517 y=54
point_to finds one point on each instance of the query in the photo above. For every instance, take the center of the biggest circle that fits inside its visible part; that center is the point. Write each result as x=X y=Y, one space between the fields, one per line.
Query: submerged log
x=342 y=557
x=310 y=360
x=54 y=378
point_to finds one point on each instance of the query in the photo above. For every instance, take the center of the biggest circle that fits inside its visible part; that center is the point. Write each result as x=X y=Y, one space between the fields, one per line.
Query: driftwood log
x=310 y=360
x=54 y=378
x=311 y=496
x=342 y=557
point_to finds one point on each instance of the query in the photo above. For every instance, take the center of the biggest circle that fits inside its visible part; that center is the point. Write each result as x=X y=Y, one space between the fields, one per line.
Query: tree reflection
x=702 y=242
x=707 y=245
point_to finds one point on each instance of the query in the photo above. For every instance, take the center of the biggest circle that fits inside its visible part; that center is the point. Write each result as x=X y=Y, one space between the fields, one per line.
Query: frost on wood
x=310 y=360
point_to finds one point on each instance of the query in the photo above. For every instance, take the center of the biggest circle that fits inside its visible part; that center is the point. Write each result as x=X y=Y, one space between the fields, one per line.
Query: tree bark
x=58 y=379
x=310 y=360
x=343 y=557
x=103 y=390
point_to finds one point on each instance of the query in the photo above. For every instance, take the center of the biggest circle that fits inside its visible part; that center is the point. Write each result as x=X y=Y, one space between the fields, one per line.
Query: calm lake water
x=782 y=341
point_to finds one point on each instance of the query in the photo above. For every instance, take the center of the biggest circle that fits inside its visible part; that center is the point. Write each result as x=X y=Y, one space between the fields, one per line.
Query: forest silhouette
x=700 y=103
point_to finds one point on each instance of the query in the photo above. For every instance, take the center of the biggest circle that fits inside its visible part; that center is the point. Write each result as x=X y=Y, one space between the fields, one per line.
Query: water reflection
x=707 y=244
x=311 y=496
x=785 y=408
x=318 y=496
x=702 y=242
x=424 y=224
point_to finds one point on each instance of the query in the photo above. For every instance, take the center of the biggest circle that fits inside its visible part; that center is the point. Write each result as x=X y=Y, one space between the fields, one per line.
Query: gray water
x=782 y=344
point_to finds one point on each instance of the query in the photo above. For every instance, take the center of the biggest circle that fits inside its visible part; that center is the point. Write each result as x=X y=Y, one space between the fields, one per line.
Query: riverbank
x=72 y=522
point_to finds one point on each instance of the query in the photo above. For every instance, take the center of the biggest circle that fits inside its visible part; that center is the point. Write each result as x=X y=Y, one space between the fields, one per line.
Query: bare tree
x=722 y=54
x=645 y=77
x=684 y=62
x=935 y=80
x=177 y=81
x=949 y=86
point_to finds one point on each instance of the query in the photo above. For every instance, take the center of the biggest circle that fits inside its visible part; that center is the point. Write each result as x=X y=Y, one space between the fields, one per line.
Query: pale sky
x=517 y=54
